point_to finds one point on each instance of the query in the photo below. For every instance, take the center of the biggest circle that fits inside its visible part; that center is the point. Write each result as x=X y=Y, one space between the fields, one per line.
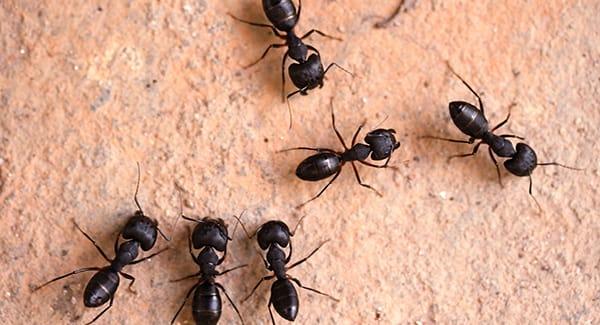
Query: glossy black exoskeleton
x=524 y=161
x=381 y=143
x=471 y=121
x=307 y=72
x=139 y=232
x=209 y=235
x=273 y=236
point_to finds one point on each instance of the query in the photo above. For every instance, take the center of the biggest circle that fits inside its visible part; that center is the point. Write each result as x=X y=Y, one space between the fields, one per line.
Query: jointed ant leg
x=233 y=269
x=112 y=298
x=288 y=258
x=475 y=149
x=512 y=136
x=269 y=277
x=503 y=122
x=184 y=300
x=273 y=29
x=309 y=255
x=230 y=301
x=378 y=166
x=272 y=46
x=93 y=242
x=130 y=278
x=360 y=181
x=470 y=141
x=314 y=290
x=322 y=190
x=85 y=269
x=356 y=134
x=466 y=84
x=187 y=277
x=271 y=312
x=339 y=136
x=290 y=95
x=137 y=188
x=307 y=148
x=497 y=167
x=320 y=33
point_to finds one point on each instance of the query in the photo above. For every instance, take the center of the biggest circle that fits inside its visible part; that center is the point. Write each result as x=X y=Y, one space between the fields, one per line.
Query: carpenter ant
x=139 y=232
x=524 y=161
x=472 y=122
x=273 y=236
x=381 y=143
x=307 y=72
x=208 y=235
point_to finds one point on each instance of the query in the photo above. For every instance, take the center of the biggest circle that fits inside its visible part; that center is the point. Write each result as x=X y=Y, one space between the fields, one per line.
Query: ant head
x=273 y=232
x=500 y=146
x=141 y=229
x=382 y=143
x=308 y=74
x=523 y=162
x=212 y=233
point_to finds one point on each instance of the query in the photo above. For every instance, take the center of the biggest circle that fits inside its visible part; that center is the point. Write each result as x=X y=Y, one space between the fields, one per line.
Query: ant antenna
x=384 y=119
x=236 y=224
x=533 y=197
x=560 y=165
x=239 y=219
x=137 y=187
x=289 y=112
x=297 y=225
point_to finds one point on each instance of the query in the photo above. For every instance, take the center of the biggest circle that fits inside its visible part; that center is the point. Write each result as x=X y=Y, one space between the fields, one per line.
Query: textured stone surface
x=86 y=90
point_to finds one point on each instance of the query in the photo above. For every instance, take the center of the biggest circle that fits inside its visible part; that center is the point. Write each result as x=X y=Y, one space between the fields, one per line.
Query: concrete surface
x=88 y=89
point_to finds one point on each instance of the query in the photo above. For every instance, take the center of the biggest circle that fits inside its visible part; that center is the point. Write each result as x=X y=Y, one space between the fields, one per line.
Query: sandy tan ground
x=86 y=90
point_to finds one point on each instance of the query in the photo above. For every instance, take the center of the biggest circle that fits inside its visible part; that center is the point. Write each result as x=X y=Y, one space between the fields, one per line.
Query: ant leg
x=289 y=257
x=85 y=269
x=285 y=56
x=272 y=46
x=112 y=298
x=470 y=141
x=333 y=64
x=230 y=301
x=271 y=312
x=320 y=33
x=466 y=84
x=187 y=277
x=187 y=296
x=299 y=10
x=384 y=23
x=149 y=256
x=503 y=122
x=378 y=166
x=93 y=242
x=557 y=164
x=307 y=257
x=475 y=149
x=232 y=269
x=339 y=136
x=314 y=290
x=273 y=29
x=361 y=183
x=531 y=194
x=117 y=243
x=257 y=285
x=130 y=278
x=220 y=261
x=497 y=167
x=512 y=136
x=307 y=148
x=322 y=190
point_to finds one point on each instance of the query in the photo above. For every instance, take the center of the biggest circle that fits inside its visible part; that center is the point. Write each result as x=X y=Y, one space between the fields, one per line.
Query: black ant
x=381 y=143
x=139 y=232
x=208 y=235
x=273 y=236
x=472 y=122
x=307 y=72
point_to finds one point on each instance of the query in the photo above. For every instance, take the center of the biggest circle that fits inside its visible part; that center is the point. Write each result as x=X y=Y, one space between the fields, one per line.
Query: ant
x=381 y=143
x=471 y=121
x=273 y=236
x=307 y=72
x=208 y=235
x=139 y=232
